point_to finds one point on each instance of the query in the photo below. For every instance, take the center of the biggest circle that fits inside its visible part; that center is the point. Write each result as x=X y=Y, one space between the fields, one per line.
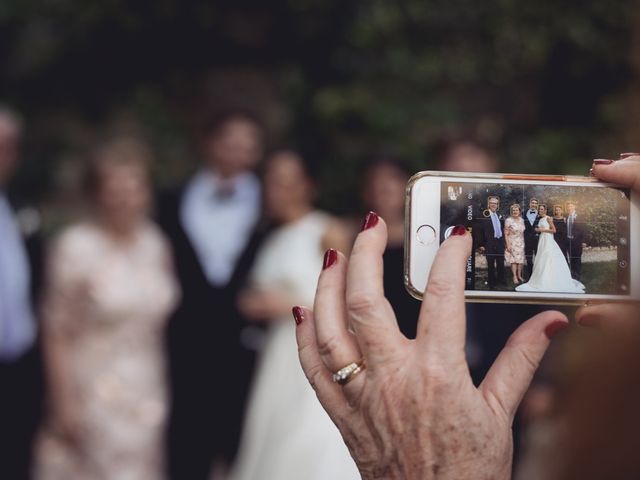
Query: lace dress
x=287 y=434
x=111 y=300
x=514 y=239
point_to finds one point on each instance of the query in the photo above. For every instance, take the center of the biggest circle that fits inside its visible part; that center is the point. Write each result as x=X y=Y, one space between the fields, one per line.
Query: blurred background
x=539 y=87
x=547 y=87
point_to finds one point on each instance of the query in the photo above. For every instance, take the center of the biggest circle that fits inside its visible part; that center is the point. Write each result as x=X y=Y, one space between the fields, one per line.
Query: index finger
x=371 y=315
x=625 y=172
x=442 y=323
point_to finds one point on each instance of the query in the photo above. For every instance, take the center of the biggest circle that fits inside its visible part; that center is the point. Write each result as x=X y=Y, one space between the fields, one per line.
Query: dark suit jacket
x=530 y=234
x=577 y=230
x=204 y=337
x=486 y=236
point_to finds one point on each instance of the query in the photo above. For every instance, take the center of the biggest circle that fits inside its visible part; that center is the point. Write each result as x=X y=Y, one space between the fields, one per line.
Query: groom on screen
x=491 y=242
x=531 y=220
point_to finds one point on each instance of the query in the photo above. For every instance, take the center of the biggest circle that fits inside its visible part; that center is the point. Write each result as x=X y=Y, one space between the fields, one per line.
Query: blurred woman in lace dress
x=109 y=292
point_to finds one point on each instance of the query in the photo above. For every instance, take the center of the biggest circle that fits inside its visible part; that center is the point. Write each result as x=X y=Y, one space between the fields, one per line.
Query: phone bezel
x=423 y=207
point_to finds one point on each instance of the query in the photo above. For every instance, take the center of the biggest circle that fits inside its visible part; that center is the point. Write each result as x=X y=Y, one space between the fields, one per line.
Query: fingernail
x=591 y=174
x=459 y=230
x=330 y=257
x=554 y=328
x=370 y=221
x=629 y=154
x=298 y=314
x=602 y=161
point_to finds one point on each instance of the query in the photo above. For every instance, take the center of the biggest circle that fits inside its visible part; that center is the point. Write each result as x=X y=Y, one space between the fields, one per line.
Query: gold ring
x=346 y=374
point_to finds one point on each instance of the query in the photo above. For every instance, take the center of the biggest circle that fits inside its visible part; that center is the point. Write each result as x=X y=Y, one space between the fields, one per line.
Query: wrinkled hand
x=414 y=412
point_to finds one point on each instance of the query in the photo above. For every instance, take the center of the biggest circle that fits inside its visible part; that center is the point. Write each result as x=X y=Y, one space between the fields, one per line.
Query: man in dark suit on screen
x=212 y=222
x=491 y=241
x=20 y=279
x=531 y=237
x=575 y=236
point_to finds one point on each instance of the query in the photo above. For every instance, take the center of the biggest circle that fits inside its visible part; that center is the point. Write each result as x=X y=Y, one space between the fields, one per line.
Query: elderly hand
x=413 y=412
x=624 y=172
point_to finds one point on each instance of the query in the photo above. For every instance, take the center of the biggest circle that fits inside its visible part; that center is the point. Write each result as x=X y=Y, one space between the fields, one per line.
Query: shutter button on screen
x=426 y=234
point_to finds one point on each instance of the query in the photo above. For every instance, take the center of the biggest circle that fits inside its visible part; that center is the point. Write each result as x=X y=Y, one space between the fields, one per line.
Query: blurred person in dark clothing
x=110 y=289
x=383 y=190
x=20 y=276
x=212 y=222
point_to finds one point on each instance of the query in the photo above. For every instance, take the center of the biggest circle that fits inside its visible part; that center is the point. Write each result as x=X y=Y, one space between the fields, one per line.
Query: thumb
x=511 y=373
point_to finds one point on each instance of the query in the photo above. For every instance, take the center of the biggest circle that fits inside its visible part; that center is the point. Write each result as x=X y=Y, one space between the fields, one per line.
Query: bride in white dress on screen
x=287 y=435
x=551 y=272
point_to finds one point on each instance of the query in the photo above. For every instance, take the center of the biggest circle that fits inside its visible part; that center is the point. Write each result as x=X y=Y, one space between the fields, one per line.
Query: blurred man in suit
x=212 y=225
x=20 y=360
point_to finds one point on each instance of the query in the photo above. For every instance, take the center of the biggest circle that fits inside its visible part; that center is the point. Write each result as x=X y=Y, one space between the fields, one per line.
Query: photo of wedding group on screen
x=542 y=238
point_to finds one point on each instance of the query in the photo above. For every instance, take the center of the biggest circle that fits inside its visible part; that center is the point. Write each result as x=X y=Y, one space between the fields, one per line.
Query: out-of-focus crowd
x=153 y=339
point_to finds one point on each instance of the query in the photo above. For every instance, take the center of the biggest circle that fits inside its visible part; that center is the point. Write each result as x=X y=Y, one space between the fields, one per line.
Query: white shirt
x=218 y=217
x=17 y=321
x=531 y=216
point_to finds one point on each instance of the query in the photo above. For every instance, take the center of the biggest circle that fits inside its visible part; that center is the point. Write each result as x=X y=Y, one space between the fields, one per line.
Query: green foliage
x=542 y=83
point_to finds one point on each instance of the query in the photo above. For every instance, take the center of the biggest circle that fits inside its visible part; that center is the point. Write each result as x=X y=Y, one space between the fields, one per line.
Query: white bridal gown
x=551 y=272
x=287 y=434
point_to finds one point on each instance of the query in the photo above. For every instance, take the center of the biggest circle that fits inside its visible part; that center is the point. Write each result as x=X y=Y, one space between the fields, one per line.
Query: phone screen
x=541 y=238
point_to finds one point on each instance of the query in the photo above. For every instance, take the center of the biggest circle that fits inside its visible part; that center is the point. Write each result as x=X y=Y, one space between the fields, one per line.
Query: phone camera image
x=540 y=238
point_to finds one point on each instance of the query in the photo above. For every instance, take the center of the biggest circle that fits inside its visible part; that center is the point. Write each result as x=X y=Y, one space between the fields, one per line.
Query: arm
x=508 y=225
x=552 y=227
x=62 y=309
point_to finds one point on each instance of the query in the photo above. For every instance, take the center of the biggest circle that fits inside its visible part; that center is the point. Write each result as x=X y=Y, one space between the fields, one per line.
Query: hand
x=262 y=304
x=413 y=412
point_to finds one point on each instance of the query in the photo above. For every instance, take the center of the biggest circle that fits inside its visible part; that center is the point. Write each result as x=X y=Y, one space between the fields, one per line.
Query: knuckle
x=329 y=346
x=361 y=302
x=439 y=286
x=529 y=360
x=314 y=375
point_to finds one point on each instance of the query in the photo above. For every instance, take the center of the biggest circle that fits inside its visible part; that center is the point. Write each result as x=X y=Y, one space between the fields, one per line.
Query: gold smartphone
x=536 y=238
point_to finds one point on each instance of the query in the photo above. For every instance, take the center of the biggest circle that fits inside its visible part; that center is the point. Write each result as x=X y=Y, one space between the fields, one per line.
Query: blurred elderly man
x=20 y=366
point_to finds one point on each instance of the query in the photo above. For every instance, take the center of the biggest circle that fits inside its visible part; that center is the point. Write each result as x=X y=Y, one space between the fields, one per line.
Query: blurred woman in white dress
x=287 y=434
x=109 y=292
x=550 y=270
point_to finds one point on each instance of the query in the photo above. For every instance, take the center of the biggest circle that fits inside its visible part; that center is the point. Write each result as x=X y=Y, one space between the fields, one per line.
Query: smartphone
x=536 y=238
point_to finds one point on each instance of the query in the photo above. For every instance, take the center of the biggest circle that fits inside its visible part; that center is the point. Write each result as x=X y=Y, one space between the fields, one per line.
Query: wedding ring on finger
x=348 y=373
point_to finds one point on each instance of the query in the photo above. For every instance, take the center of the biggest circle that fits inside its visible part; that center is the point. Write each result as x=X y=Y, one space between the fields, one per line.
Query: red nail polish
x=554 y=328
x=370 y=221
x=602 y=161
x=629 y=154
x=298 y=314
x=459 y=230
x=330 y=257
